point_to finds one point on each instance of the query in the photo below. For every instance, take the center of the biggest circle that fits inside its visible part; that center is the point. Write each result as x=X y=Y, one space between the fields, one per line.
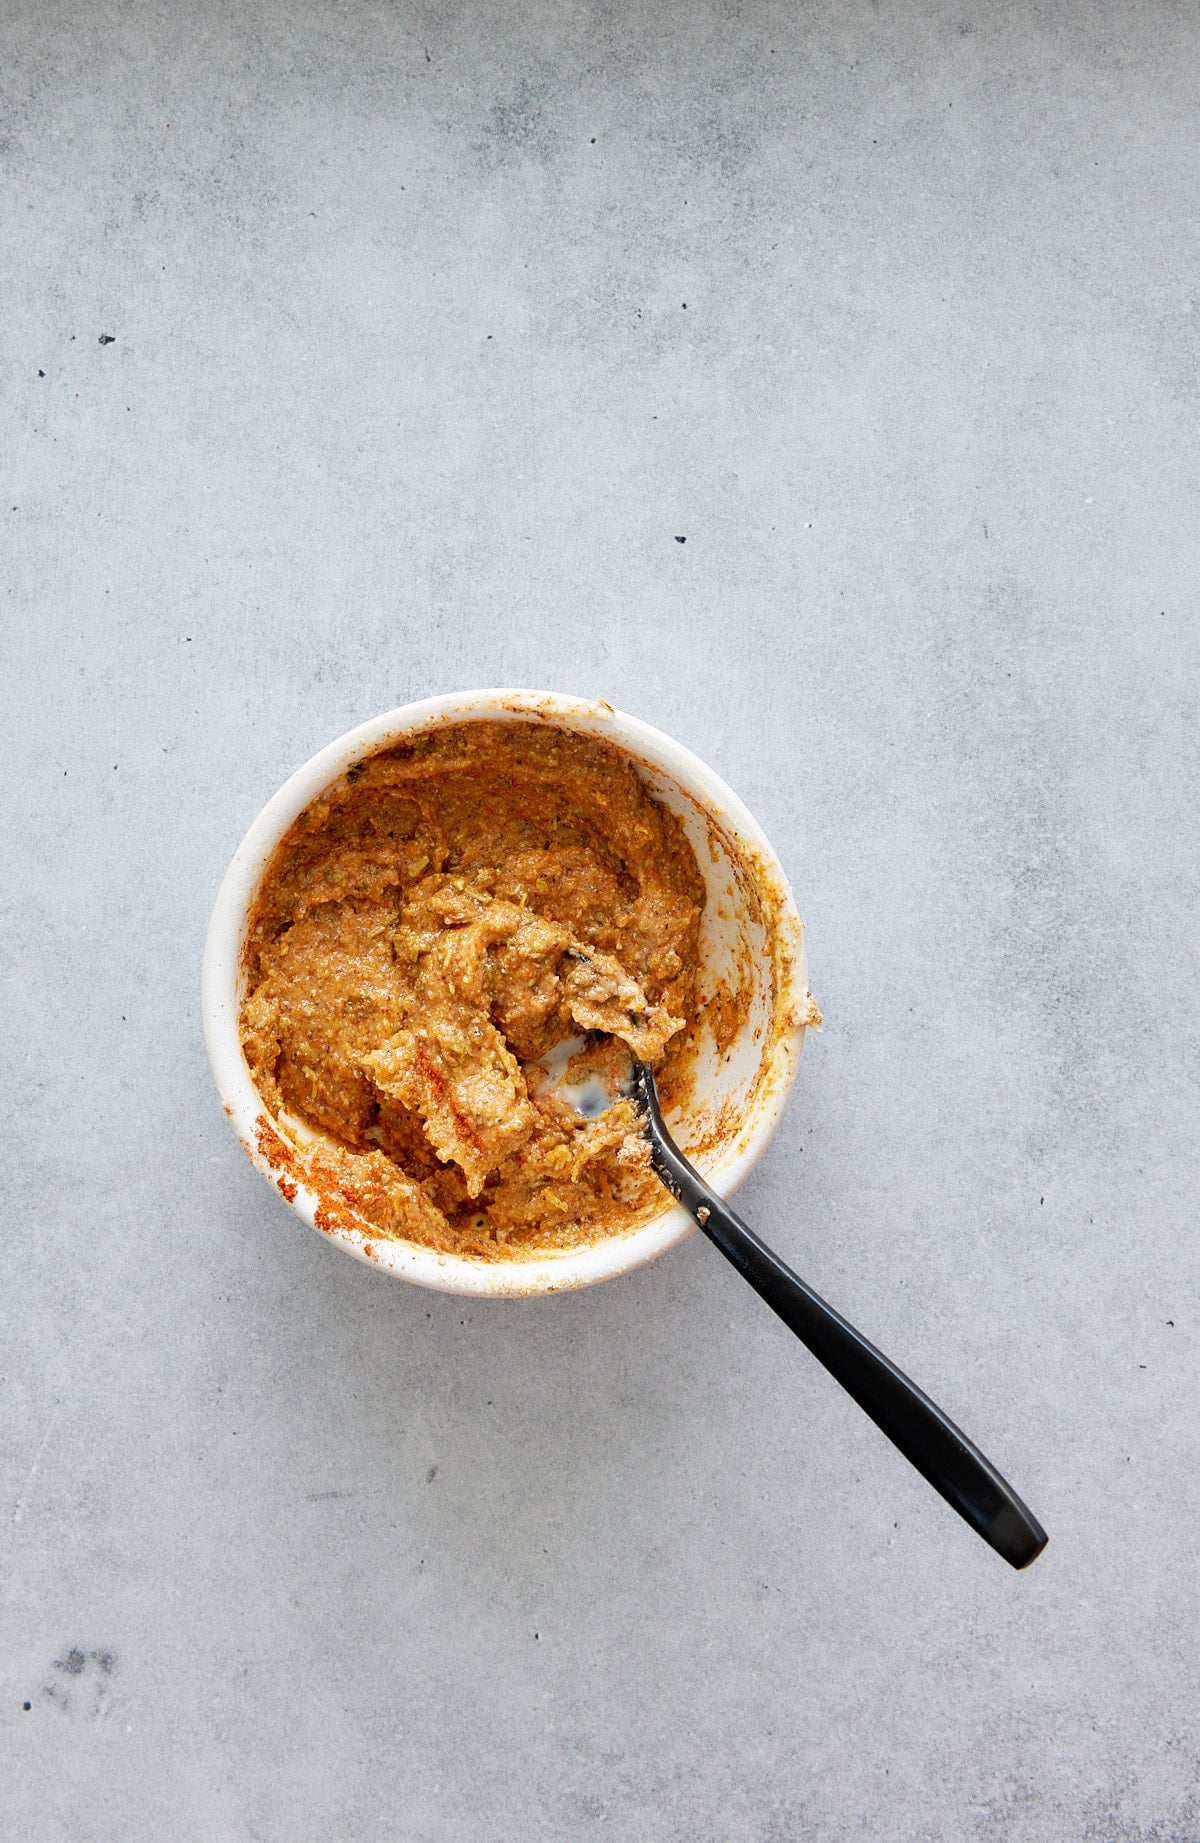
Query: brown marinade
x=429 y=929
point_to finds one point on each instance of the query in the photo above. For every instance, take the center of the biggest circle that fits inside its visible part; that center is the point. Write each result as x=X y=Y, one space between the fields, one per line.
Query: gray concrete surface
x=403 y=395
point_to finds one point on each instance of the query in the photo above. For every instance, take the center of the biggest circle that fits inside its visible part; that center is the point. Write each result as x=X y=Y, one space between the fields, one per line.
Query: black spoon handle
x=927 y=1437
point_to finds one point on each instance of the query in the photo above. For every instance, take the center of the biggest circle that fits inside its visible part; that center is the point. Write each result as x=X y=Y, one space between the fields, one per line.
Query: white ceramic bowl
x=750 y=933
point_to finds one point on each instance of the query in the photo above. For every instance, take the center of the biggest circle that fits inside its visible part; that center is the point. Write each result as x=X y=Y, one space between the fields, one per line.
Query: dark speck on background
x=681 y=540
x=108 y=339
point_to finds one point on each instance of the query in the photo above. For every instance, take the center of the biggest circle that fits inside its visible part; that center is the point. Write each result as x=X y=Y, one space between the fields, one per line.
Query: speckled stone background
x=431 y=331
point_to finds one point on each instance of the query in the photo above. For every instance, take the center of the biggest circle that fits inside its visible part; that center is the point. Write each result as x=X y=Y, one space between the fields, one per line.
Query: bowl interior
x=739 y=955
x=752 y=974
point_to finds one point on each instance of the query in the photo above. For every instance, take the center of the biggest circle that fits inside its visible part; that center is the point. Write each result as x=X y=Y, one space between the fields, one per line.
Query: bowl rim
x=220 y=979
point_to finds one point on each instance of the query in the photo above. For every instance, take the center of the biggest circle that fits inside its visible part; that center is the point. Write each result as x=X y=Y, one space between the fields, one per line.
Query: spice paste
x=428 y=932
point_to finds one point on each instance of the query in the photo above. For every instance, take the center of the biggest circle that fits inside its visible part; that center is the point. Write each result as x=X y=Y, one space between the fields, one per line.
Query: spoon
x=928 y=1438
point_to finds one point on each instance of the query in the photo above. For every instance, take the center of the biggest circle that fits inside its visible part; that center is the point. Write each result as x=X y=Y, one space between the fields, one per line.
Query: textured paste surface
x=430 y=929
